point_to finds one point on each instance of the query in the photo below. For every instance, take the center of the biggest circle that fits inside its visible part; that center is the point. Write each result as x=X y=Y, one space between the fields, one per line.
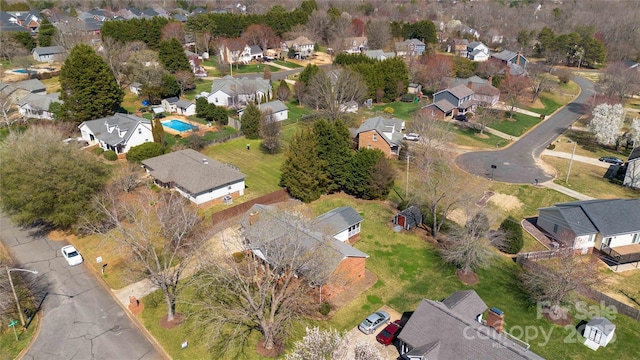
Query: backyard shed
x=598 y=332
x=408 y=218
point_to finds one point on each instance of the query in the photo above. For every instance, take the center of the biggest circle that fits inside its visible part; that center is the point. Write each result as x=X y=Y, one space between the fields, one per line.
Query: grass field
x=517 y=126
x=471 y=138
x=9 y=347
x=550 y=105
x=401 y=110
x=252 y=68
x=288 y=64
x=201 y=85
x=587 y=145
x=52 y=84
x=296 y=111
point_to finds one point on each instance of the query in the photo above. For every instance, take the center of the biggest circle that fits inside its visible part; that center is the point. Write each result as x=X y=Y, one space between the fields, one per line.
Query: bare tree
x=619 y=81
x=10 y=47
x=434 y=70
x=186 y=80
x=329 y=91
x=485 y=116
x=117 y=56
x=319 y=25
x=490 y=68
x=261 y=35
x=144 y=67
x=7 y=103
x=127 y=178
x=333 y=345
x=173 y=30
x=513 y=89
x=378 y=34
x=270 y=132
x=160 y=232
x=538 y=74
x=284 y=91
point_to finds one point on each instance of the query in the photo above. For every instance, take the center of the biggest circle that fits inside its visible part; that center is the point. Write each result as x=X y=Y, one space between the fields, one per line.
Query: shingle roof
x=603 y=324
x=172 y=100
x=338 y=219
x=635 y=154
x=183 y=104
x=276 y=106
x=192 y=171
x=444 y=105
x=124 y=122
x=384 y=125
x=231 y=86
x=413 y=216
x=39 y=101
x=31 y=85
x=460 y=91
x=467 y=303
x=610 y=217
x=255 y=49
x=504 y=55
x=49 y=50
x=475 y=44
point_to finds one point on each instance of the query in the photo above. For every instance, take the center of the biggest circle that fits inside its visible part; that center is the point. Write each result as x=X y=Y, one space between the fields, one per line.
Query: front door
x=401 y=220
x=595 y=335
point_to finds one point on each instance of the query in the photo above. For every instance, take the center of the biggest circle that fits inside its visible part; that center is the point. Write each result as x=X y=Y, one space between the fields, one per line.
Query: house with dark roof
x=276 y=110
x=384 y=134
x=343 y=223
x=48 y=53
x=410 y=47
x=197 y=177
x=450 y=102
x=516 y=62
x=14 y=21
x=632 y=175
x=477 y=51
x=36 y=105
x=256 y=52
x=174 y=105
x=611 y=226
x=454 y=329
x=119 y=132
x=31 y=86
x=484 y=93
x=233 y=92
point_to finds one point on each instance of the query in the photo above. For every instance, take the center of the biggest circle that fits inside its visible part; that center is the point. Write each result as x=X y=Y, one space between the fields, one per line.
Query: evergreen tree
x=89 y=89
x=334 y=150
x=169 y=86
x=370 y=175
x=45 y=33
x=144 y=151
x=307 y=73
x=202 y=109
x=172 y=56
x=157 y=131
x=302 y=171
x=250 y=122
x=25 y=39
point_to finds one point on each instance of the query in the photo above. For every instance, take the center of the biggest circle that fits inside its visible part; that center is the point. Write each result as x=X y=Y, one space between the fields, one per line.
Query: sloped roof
x=39 y=101
x=413 y=216
x=49 y=50
x=231 y=86
x=338 y=219
x=444 y=106
x=635 y=154
x=299 y=41
x=124 y=122
x=467 y=303
x=184 y=104
x=602 y=324
x=475 y=44
x=192 y=171
x=382 y=126
x=31 y=85
x=276 y=106
x=171 y=100
x=460 y=91
x=255 y=49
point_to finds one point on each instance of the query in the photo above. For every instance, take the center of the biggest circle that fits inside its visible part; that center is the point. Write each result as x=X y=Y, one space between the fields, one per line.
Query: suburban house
x=256 y=52
x=483 y=92
x=234 y=51
x=234 y=92
x=48 y=53
x=632 y=175
x=355 y=45
x=611 y=226
x=197 y=177
x=343 y=223
x=277 y=109
x=477 y=51
x=31 y=86
x=195 y=61
x=178 y=106
x=510 y=57
x=379 y=54
x=135 y=88
x=301 y=46
x=408 y=218
x=411 y=47
x=454 y=329
x=380 y=133
x=119 y=132
x=460 y=46
x=36 y=105
x=343 y=264
x=450 y=102
x=14 y=21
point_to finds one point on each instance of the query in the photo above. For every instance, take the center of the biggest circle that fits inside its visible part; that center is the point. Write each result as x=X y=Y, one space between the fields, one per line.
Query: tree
x=485 y=116
x=378 y=34
x=284 y=91
x=635 y=131
x=270 y=132
x=330 y=91
x=607 y=123
x=261 y=35
x=169 y=86
x=538 y=76
x=186 y=80
x=513 y=89
x=172 y=56
x=332 y=345
x=46 y=32
x=43 y=179
x=7 y=103
x=267 y=73
x=25 y=39
x=423 y=30
x=250 y=122
x=370 y=176
x=307 y=73
x=118 y=56
x=513 y=236
x=11 y=47
x=334 y=149
x=161 y=232
x=158 y=132
x=302 y=172
x=434 y=70
x=144 y=151
x=173 y=30
x=619 y=81
x=89 y=89
x=490 y=68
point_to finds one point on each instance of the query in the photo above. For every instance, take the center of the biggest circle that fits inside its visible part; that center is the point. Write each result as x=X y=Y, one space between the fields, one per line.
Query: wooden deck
x=627 y=249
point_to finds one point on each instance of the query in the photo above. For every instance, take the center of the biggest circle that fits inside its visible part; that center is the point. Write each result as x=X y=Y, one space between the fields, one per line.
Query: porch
x=621 y=258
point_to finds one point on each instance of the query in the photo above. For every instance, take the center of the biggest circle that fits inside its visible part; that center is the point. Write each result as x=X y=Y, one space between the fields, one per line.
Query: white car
x=411 y=137
x=72 y=255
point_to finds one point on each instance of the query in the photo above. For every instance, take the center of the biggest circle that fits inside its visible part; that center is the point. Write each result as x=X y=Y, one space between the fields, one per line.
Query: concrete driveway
x=388 y=352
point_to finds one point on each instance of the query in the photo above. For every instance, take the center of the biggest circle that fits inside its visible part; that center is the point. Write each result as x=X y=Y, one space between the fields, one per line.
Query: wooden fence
x=542 y=255
x=272 y=198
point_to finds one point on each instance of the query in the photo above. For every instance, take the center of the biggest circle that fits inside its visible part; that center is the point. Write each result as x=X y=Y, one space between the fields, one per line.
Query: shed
x=408 y=218
x=598 y=332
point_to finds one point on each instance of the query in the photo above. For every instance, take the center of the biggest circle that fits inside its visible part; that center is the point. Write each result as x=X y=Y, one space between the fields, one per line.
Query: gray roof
x=610 y=217
x=602 y=324
x=504 y=55
x=635 y=154
x=384 y=125
x=232 y=86
x=183 y=104
x=476 y=52
x=379 y=54
x=338 y=219
x=467 y=303
x=443 y=105
x=446 y=334
x=475 y=80
x=39 y=101
x=49 y=50
x=276 y=106
x=475 y=44
x=255 y=49
x=31 y=85
x=192 y=171
x=413 y=215
x=460 y=91
x=171 y=100
x=124 y=122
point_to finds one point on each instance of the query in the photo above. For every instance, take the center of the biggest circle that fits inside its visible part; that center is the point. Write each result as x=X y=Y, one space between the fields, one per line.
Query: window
x=555 y=228
x=139 y=130
x=375 y=137
x=368 y=146
x=607 y=242
x=636 y=238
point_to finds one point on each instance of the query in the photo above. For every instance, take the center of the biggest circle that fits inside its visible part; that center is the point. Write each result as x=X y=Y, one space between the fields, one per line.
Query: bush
x=513 y=236
x=110 y=155
x=551 y=146
x=238 y=256
x=389 y=110
x=325 y=308
x=98 y=151
x=144 y=151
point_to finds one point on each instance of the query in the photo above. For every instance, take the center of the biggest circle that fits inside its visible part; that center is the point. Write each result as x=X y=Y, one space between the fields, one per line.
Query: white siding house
x=36 y=105
x=279 y=111
x=48 y=53
x=343 y=223
x=174 y=105
x=234 y=92
x=632 y=176
x=119 y=132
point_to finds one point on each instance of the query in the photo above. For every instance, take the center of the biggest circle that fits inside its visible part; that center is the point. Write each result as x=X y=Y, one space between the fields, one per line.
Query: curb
x=24 y=351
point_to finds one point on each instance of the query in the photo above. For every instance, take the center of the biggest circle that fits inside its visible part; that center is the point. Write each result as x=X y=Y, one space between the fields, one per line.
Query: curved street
x=520 y=163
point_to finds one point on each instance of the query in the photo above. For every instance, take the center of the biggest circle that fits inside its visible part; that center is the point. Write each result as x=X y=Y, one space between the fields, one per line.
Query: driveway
x=388 y=352
x=520 y=163
x=79 y=318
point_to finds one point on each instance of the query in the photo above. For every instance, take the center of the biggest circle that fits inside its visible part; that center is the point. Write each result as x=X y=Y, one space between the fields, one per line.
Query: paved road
x=520 y=163
x=80 y=320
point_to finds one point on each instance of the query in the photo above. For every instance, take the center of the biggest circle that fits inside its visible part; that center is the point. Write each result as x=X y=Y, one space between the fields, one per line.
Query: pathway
x=559 y=188
x=580 y=158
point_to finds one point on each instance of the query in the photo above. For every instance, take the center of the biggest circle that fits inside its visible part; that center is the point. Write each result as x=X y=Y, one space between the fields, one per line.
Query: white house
x=343 y=222
x=119 y=132
x=598 y=332
x=477 y=51
x=174 y=105
x=632 y=176
x=135 y=88
x=36 y=105
x=279 y=111
x=232 y=52
x=48 y=53
x=301 y=45
x=234 y=92
x=197 y=177
x=355 y=45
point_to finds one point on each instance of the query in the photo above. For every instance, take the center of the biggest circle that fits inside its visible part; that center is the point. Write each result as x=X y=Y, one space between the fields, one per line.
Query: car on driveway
x=72 y=255
x=373 y=322
x=461 y=117
x=611 y=160
x=389 y=333
x=411 y=137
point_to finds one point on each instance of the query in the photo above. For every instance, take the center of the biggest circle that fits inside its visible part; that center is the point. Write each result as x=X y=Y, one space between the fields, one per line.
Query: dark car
x=611 y=160
x=461 y=117
x=389 y=333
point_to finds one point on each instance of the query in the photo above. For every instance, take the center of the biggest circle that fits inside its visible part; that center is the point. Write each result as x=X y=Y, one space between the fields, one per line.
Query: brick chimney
x=518 y=58
x=495 y=319
x=253 y=217
x=490 y=80
x=470 y=85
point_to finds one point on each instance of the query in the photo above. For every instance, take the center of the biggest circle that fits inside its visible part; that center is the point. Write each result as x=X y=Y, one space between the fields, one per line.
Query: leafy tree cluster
x=168 y=87
x=172 y=57
x=250 y=122
x=352 y=59
x=423 y=30
x=46 y=32
x=25 y=39
x=148 y=31
x=580 y=47
x=144 y=151
x=211 y=112
x=390 y=75
x=514 y=238
x=320 y=160
x=307 y=73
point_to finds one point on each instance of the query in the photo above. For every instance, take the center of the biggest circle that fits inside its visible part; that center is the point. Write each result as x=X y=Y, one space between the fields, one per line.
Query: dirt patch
x=352 y=291
x=467 y=278
x=458 y=216
x=485 y=198
x=482 y=136
x=507 y=202
x=270 y=353
x=57 y=235
x=562 y=318
x=177 y=320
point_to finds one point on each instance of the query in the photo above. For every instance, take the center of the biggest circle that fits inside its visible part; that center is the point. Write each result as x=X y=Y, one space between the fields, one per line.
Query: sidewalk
x=500 y=106
x=580 y=158
x=559 y=188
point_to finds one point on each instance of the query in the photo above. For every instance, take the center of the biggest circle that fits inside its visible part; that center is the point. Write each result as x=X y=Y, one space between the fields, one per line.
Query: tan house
x=384 y=134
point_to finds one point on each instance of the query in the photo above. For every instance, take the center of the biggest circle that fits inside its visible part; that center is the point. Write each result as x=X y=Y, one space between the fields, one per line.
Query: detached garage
x=408 y=218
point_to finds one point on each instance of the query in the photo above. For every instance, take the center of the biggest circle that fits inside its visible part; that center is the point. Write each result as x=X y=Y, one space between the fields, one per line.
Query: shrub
x=98 y=151
x=389 y=110
x=325 y=308
x=513 y=236
x=144 y=151
x=551 y=146
x=238 y=256
x=110 y=155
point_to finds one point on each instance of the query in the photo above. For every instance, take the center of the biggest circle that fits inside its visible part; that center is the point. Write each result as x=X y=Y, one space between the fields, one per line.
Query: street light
x=14 y=290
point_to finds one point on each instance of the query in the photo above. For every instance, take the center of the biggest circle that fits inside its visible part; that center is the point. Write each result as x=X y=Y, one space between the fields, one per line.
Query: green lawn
x=401 y=110
x=288 y=64
x=297 y=111
x=9 y=347
x=252 y=68
x=471 y=137
x=517 y=126
x=587 y=145
x=201 y=85
x=550 y=105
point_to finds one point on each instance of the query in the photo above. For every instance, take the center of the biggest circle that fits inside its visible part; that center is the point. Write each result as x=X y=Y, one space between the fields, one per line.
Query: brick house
x=380 y=133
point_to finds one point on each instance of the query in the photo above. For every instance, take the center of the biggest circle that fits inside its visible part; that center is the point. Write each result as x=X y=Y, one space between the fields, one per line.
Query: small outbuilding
x=408 y=218
x=598 y=332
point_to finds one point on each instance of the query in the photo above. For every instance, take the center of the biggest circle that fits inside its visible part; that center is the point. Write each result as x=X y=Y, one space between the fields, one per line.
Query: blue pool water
x=177 y=125
x=21 y=71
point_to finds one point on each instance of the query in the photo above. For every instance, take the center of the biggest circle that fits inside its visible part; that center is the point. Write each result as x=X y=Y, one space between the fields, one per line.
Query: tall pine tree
x=89 y=89
x=302 y=171
x=157 y=131
x=250 y=123
x=334 y=149
x=45 y=33
x=172 y=56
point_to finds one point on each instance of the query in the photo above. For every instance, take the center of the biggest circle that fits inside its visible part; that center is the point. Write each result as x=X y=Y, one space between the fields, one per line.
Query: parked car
x=611 y=160
x=411 y=137
x=461 y=117
x=390 y=332
x=373 y=322
x=72 y=255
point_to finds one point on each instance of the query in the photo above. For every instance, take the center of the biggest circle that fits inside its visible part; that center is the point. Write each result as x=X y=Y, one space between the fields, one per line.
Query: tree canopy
x=250 y=122
x=148 y=31
x=172 y=57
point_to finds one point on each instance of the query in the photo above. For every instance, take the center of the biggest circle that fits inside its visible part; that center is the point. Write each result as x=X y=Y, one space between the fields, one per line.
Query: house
x=450 y=102
x=411 y=47
x=380 y=133
x=233 y=92
x=484 y=93
x=31 y=86
x=119 y=132
x=379 y=54
x=632 y=175
x=408 y=218
x=135 y=88
x=15 y=21
x=302 y=47
x=343 y=223
x=460 y=47
x=233 y=51
x=355 y=45
x=36 y=105
x=598 y=332
x=477 y=51
x=277 y=109
x=197 y=177
x=344 y=264
x=454 y=329
x=256 y=52
x=611 y=226
x=195 y=61
x=510 y=57
x=175 y=105
x=48 y=53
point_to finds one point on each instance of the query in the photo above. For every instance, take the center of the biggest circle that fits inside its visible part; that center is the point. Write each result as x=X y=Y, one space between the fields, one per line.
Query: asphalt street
x=79 y=318
x=520 y=162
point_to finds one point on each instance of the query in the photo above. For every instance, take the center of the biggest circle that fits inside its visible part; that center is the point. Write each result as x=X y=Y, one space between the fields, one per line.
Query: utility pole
x=571 y=161
x=15 y=296
x=406 y=189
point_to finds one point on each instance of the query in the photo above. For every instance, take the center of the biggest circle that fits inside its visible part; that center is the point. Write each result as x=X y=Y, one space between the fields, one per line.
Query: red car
x=389 y=333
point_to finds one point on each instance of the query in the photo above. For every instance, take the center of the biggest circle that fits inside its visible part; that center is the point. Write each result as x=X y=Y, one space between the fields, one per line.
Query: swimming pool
x=177 y=125
x=24 y=71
